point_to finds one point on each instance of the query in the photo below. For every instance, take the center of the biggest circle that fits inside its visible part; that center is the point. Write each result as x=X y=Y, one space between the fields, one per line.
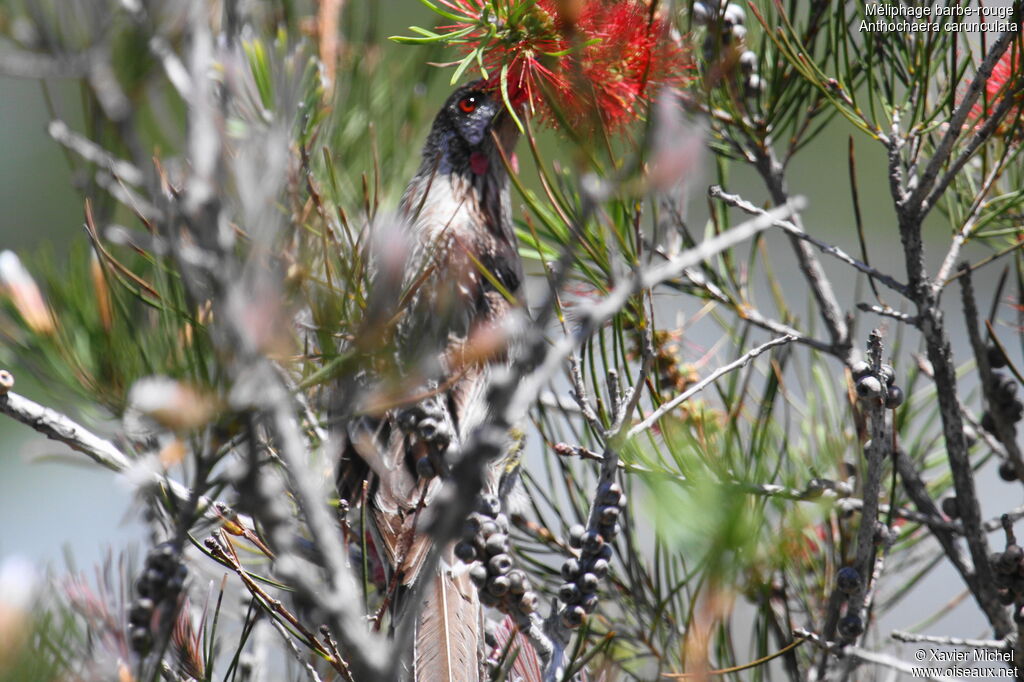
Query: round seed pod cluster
x=851 y=626
x=1008 y=471
x=1008 y=574
x=848 y=583
x=869 y=384
x=426 y=420
x=996 y=358
x=848 y=580
x=950 y=507
x=729 y=18
x=1005 y=402
x=579 y=591
x=485 y=545
x=162 y=580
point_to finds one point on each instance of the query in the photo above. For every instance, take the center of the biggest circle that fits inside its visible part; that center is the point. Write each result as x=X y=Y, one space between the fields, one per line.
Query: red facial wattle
x=479 y=163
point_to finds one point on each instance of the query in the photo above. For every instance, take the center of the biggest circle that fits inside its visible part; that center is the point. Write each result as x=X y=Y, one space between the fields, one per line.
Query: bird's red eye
x=468 y=104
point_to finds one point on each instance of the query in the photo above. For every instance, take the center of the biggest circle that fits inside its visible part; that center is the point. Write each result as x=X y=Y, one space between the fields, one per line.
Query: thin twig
x=25 y=64
x=92 y=152
x=58 y=427
x=303 y=660
x=740 y=362
x=368 y=654
x=221 y=549
x=886 y=311
x=773 y=174
x=893 y=663
x=826 y=248
x=1005 y=430
x=816 y=490
x=597 y=313
x=876 y=452
x=746 y=312
x=970 y=221
x=917 y=491
x=913 y=638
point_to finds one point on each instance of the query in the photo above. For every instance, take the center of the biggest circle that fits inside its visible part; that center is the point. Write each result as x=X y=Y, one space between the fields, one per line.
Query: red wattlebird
x=457 y=283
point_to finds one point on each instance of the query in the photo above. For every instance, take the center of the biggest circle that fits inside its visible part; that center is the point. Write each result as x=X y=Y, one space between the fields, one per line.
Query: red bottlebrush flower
x=626 y=51
x=999 y=86
x=514 y=46
x=566 y=61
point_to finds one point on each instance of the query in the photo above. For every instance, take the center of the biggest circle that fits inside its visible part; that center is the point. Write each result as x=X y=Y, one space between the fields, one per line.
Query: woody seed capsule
x=478 y=574
x=588 y=582
x=894 y=398
x=496 y=544
x=498 y=586
x=700 y=13
x=608 y=515
x=592 y=542
x=576 y=535
x=609 y=493
x=860 y=369
x=869 y=387
x=734 y=15
x=465 y=551
x=517 y=582
x=489 y=505
x=569 y=593
x=499 y=564
x=572 y=617
x=748 y=62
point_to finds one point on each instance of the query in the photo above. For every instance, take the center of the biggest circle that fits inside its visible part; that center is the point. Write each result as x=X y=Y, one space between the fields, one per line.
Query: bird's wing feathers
x=405 y=544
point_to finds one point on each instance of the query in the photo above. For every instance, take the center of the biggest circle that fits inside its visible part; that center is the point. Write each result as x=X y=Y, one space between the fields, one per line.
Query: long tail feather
x=449 y=633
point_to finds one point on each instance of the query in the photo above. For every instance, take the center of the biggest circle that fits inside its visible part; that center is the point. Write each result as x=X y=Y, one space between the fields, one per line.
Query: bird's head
x=460 y=139
x=470 y=112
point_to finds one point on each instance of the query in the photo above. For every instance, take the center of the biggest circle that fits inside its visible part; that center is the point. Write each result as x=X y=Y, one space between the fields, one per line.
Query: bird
x=460 y=280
